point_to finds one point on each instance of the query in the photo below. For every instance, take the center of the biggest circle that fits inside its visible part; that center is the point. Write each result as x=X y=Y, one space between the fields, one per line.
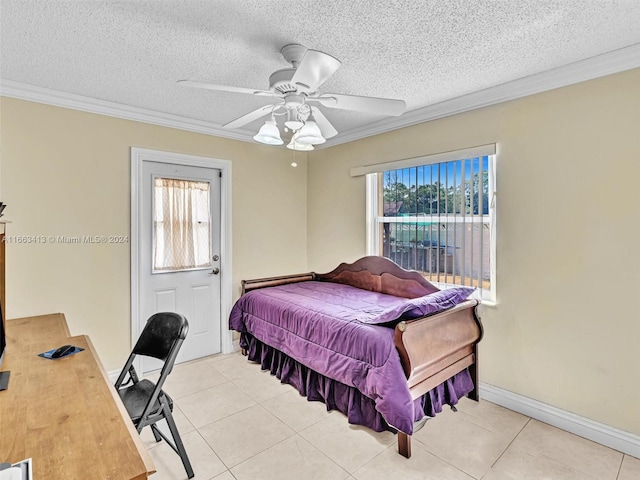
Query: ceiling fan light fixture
x=297 y=87
x=269 y=133
x=293 y=121
x=300 y=147
x=310 y=134
x=293 y=125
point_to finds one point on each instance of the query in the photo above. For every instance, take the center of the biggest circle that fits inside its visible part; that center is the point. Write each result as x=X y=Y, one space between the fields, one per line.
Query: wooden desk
x=64 y=414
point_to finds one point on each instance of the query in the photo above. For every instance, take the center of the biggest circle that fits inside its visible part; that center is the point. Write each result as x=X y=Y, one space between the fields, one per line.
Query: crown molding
x=606 y=64
x=32 y=93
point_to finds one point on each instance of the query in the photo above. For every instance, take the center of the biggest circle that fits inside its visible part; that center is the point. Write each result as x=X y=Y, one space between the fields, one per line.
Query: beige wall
x=66 y=172
x=567 y=324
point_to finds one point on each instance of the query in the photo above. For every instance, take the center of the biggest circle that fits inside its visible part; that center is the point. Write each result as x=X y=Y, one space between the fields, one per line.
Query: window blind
x=479 y=151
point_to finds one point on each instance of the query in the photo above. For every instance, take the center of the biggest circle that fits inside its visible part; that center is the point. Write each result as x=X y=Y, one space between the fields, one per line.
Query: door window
x=181 y=225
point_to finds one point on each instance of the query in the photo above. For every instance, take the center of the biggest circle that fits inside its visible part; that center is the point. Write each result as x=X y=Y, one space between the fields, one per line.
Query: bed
x=379 y=343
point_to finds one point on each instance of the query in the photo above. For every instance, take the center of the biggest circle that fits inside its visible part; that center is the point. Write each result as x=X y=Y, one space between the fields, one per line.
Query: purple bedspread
x=322 y=326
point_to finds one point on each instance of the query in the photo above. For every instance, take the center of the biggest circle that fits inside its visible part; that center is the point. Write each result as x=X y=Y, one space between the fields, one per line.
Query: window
x=182 y=225
x=437 y=217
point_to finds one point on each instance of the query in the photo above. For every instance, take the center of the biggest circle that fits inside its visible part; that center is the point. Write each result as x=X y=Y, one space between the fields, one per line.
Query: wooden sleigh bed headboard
x=432 y=348
x=376 y=274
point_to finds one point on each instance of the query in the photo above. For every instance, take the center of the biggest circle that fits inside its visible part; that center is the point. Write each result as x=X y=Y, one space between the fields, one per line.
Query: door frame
x=140 y=155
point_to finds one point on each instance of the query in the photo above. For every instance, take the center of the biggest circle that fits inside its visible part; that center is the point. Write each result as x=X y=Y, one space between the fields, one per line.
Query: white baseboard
x=617 y=439
x=113 y=376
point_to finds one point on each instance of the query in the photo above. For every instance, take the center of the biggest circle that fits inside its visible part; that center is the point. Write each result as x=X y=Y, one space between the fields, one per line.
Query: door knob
x=215 y=271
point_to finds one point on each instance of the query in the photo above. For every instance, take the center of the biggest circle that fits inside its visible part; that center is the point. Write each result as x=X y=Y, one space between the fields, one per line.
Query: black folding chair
x=144 y=400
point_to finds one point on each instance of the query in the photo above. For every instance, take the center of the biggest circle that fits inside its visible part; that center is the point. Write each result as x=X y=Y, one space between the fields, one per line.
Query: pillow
x=421 y=306
x=438 y=301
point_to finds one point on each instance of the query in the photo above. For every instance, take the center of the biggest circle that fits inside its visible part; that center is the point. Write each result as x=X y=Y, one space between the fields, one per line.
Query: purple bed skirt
x=359 y=409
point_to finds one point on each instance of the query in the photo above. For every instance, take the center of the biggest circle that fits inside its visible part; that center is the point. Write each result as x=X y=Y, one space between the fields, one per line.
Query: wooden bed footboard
x=434 y=348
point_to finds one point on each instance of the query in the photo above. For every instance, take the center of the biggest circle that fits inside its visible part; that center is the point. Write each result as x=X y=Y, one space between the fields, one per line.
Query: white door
x=180 y=254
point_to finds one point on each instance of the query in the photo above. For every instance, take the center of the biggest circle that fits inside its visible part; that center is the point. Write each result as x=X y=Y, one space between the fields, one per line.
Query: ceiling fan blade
x=381 y=106
x=324 y=124
x=224 y=88
x=314 y=69
x=249 y=117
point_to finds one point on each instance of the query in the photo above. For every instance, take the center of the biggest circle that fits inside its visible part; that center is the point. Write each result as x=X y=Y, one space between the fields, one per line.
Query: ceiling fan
x=297 y=91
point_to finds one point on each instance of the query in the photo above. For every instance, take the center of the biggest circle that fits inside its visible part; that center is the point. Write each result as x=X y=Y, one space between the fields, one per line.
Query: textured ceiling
x=424 y=52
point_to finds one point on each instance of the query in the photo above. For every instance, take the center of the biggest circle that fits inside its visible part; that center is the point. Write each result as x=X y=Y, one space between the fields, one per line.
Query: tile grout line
x=620 y=467
x=219 y=419
x=282 y=421
x=470 y=419
x=371 y=460
x=215 y=453
x=426 y=448
x=507 y=447
x=296 y=434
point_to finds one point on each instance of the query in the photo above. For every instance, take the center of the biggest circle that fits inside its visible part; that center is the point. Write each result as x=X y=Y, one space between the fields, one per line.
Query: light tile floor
x=238 y=422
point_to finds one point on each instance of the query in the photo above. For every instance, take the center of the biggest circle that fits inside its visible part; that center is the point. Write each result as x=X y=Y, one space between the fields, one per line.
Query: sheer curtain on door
x=182 y=220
